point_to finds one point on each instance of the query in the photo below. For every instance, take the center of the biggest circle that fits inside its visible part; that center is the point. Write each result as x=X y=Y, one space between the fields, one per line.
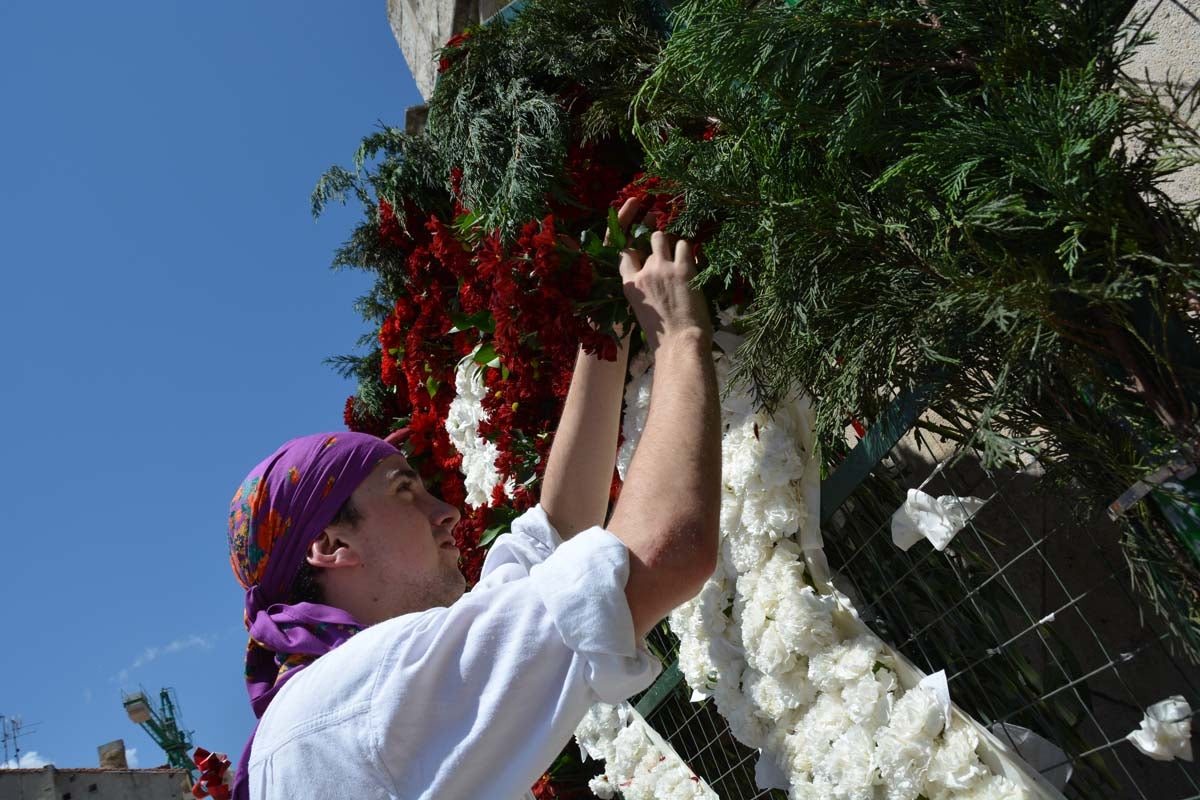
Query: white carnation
x=772 y=514
x=745 y=551
x=602 y=787
x=741 y=454
x=815 y=733
x=597 y=729
x=848 y=770
x=904 y=747
x=480 y=476
x=746 y=726
x=994 y=787
x=845 y=662
x=867 y=699
x=917 y=715
x=764 y=644
x=955 y=765
x=637 y=408
x=775 y=696
x=807 y=620
x=782 y=462
x=636 y=766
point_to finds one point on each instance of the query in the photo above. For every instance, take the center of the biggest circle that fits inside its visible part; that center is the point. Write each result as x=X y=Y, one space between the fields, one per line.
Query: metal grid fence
x=1031 y=614
x=699 y=734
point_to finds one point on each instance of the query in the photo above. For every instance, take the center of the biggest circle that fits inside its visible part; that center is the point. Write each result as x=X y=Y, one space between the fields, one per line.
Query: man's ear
x=329 y=551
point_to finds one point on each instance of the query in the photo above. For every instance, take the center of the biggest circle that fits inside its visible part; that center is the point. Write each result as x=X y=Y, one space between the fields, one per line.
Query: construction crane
x=162 y=725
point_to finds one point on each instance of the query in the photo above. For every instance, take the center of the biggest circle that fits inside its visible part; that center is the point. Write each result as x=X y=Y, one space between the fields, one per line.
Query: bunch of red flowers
x=521 y=310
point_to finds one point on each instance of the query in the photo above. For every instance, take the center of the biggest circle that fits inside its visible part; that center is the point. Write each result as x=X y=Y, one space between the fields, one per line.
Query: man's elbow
x=692 y=564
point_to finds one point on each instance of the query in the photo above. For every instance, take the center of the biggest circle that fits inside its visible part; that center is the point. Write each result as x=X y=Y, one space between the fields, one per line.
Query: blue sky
x=166 y=306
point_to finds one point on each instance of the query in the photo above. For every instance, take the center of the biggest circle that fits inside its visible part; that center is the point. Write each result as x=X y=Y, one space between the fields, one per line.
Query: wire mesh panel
x=1030 y=613
x=697 y=731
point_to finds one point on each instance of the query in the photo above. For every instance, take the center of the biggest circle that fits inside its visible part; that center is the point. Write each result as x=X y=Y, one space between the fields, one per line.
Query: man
x=396 y=684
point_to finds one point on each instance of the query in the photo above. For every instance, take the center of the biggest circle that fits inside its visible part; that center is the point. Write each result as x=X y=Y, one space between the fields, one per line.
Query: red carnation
x=453 y=42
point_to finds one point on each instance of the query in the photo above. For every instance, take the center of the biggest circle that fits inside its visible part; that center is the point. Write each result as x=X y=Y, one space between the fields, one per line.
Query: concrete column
x=1173 y=57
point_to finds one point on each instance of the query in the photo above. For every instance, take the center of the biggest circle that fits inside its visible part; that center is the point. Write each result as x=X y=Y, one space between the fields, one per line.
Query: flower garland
x=638 y=763
x=479 y=456
x=791 y=668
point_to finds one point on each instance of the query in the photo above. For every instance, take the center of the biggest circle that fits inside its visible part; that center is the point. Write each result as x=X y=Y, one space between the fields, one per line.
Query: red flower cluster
x=655 y=198
x=594 y=174
x=455 y=42
x=524 y=303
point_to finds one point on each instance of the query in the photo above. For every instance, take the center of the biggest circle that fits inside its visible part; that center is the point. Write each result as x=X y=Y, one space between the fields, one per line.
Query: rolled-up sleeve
x=582 y=587
x=476 y=700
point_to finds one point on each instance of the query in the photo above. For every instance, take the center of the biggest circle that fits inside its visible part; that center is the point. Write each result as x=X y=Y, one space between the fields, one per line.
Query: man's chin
x=457 y=586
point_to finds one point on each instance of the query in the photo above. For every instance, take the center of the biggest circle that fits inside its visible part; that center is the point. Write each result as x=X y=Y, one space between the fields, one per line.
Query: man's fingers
x=628 y=212
x=685 y=255
x=626 y=215
x=660 y=245
x=631 y=263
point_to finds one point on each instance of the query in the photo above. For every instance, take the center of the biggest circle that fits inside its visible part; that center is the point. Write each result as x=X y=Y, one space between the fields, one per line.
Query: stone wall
x=1174 y=56
x=423 y=26
x=51 y=783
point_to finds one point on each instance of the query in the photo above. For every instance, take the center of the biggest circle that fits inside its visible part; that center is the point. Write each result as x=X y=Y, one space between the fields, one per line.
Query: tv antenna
x=11 y=731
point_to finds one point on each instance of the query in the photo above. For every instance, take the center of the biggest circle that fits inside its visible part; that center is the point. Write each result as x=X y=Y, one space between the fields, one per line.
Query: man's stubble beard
x=440 y=590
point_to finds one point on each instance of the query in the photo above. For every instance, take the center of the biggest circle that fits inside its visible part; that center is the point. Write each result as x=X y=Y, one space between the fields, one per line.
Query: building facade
x=52 y=783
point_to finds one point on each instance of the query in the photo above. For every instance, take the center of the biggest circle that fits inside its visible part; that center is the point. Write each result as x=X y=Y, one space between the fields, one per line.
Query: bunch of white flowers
x=638 y=764
x=480 y=475
x=788 y=664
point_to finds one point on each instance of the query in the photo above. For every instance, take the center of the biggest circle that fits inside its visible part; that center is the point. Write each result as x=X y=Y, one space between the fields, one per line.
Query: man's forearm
x=579 y=471
x=670 y=503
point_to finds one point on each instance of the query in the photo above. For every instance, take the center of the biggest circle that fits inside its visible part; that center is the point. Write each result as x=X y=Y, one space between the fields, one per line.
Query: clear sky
x=166 y=304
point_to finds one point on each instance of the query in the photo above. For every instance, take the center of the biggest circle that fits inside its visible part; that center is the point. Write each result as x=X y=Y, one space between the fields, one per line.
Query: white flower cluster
x=462 y=423
x=790 y=668
x=638 y=764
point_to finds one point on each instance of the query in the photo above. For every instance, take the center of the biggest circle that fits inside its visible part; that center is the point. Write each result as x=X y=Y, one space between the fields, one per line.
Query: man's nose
x=444 y=515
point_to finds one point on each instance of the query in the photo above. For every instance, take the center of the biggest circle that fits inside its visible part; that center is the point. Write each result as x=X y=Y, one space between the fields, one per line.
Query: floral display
x=483 y=298
x=789 y=665
x=638 y=764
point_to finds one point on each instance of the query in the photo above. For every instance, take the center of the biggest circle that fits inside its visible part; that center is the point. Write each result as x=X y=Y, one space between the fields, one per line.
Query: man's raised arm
x=668 y=514
x=579 y=471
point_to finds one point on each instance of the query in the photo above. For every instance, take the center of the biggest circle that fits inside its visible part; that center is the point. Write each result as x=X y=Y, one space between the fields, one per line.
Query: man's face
x=403 y=538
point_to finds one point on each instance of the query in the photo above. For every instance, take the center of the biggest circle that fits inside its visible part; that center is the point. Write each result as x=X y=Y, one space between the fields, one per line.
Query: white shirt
x=470 y=701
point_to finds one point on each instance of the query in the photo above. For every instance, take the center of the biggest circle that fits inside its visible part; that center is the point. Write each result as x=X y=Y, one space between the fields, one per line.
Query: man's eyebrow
x=400 y=473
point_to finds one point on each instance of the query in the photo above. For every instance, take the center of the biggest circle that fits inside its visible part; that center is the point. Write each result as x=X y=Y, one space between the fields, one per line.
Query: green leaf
x=431 y=385
x=490 y=534
x=480 y=321
x=616 y=236
x=486 y=356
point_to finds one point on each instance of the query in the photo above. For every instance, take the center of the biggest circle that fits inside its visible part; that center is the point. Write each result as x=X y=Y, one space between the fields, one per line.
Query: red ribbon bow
x=213 y=767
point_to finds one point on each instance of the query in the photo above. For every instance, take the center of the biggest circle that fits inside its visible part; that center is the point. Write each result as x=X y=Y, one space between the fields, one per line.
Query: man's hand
x=669 y=510
x=659 y=291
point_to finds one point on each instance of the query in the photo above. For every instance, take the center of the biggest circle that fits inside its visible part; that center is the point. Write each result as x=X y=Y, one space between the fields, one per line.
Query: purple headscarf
x=282 y=506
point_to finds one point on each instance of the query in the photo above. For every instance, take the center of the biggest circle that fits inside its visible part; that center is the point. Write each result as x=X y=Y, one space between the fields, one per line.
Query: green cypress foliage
x=963 y=193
